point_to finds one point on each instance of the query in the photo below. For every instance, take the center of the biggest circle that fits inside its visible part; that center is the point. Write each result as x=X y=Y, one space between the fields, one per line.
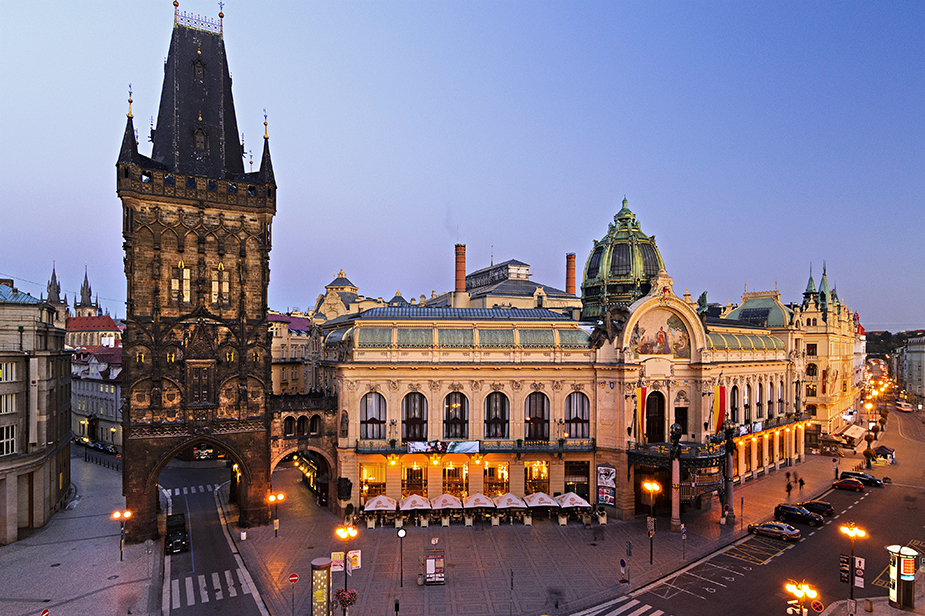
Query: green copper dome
x=619 y=267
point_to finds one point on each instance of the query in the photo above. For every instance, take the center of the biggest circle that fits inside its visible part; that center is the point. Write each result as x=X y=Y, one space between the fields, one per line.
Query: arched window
x=288 y=426
x=770 y=400
x=497 y=412
x=811 y=370
x=759 y=402
x=414 y=417
x=456 y=416
x=301 y=426
x=372 y=416
x=577 y=416
x=780 y=398
x=747 y=403
x=536 y=413
x=734 y=403
x=594 y=265
x=314 y=425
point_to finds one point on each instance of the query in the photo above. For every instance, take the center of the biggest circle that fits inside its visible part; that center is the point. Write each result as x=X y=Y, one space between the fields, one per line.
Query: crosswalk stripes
x=622 y=606
x=196 y=588
x=192 y=489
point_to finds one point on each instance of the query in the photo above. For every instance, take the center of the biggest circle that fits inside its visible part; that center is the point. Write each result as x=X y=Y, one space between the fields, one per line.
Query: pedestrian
x=795 y=477
x=788 y=475
x=789 y=488
x=802 y=483
x=835 y=467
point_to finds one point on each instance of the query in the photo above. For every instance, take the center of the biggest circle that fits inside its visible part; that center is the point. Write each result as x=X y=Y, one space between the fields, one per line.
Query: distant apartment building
x=96 y=395
x=35 y=382
x=912 y=372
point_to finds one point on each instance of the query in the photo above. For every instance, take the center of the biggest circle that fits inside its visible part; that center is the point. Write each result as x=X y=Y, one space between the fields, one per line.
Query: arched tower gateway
x=620 y=266
x=196 y=231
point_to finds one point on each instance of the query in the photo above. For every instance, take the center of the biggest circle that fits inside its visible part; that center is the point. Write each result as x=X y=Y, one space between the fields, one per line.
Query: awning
x=855 y=431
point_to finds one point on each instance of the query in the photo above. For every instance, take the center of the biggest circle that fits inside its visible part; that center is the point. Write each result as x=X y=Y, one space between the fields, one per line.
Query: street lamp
x=801 y=591
x=122 y=516
x=854 y=532
x=401 y=558
x=275 y=500
x=653 y=488
x=345 y=533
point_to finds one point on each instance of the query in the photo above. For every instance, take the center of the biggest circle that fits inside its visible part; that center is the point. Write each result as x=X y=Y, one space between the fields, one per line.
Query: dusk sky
x=753 y=139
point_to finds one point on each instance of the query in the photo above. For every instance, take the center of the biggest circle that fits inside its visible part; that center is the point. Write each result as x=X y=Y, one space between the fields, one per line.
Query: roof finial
x=251 y=154
x=129 y=100
x=175 y=5
x=265 y=135
x=221 y=16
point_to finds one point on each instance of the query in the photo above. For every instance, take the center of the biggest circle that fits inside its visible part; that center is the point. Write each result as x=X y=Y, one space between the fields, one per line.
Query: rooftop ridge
x=775 y=294
x=198 y=22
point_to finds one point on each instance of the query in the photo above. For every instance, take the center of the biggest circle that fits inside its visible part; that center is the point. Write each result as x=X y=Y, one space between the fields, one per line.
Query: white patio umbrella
x=540 y=499
x=414 y=501
x=477 y=500
x=380 y=503
x=509 y=501
x=446 y=501
x=570 y=499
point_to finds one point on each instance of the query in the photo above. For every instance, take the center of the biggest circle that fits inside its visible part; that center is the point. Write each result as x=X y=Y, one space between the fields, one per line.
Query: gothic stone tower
x=196 y=231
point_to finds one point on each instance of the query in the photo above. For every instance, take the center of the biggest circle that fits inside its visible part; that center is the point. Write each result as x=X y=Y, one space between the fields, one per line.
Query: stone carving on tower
x=197 y=239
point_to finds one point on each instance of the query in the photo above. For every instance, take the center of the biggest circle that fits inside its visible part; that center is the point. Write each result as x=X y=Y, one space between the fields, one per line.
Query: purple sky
x=751 y=138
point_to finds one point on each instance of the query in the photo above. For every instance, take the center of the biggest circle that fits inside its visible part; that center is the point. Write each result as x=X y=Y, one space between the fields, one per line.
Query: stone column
x=676 y=495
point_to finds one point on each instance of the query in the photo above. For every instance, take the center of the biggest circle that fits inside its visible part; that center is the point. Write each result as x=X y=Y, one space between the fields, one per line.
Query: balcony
x=571 y=445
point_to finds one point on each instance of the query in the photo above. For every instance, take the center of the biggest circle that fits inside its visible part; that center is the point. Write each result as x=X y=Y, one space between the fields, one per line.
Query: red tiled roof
x=92 y=324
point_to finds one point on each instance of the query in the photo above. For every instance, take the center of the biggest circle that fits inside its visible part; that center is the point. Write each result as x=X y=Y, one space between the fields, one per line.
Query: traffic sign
x=859 y=571
x=817 y=605
x=293 y=578
x=622 y=563
x=650 y=524
x=45 y=612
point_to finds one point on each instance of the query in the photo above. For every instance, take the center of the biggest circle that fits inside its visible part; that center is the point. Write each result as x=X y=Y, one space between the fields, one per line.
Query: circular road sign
x=293 y=578
x=817 y=605
x=45 y=612
x=622 y=563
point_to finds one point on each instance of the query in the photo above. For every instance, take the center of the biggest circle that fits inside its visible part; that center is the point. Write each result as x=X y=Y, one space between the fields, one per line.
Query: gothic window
x=180 y=285
x=200 y=388
x=301 y=426
x=221 y=287
x=314 y=425
x=577 y=416
x=372 y=416
x=456 y=416
x=496 y=415
x=536 y=411
x=414 y=417
x=288 y=425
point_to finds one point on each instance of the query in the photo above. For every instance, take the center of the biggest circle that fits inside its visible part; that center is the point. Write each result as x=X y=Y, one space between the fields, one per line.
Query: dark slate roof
x=340 y=281
x=488 y=314
x=717 y=322
x=513 y=262
x=398 y=300
x=9 y=295
x=517 y=287
x=196 y=96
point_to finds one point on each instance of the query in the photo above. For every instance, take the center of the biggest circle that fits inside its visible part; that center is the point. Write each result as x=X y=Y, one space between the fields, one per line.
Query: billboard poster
x=606 y=496
x=443 y=446
x=607 y=476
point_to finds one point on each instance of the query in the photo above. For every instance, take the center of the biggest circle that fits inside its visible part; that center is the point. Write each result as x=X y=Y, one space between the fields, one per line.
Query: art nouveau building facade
x=462 y=400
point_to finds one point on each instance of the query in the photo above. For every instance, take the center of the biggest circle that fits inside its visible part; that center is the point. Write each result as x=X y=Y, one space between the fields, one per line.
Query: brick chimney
x=570 y=273
x=460 y=268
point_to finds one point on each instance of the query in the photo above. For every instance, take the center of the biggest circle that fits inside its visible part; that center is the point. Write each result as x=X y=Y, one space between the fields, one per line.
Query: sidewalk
x=71 y=566
x=579 y=567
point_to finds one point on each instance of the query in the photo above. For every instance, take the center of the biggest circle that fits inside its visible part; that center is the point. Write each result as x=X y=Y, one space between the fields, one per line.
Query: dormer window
x=200 y=138
x=199 y=69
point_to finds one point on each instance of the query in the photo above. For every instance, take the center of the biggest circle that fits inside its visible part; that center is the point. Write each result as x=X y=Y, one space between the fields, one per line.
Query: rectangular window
x=372 y=481
x=536 y=477
x=811 y=350
x=456 y=479
x=7 y=372
x=180 y=286
x=496 y=479
x=220 y=287
x=810 y=390
x=7 y=403
x=7 y=440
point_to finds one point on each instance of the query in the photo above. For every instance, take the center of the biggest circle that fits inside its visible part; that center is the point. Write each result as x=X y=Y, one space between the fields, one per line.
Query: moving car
x=821 y=507
x=782 y=531
x=868 y=480
x=177 y=538
x=849 y=484
x=784 y=512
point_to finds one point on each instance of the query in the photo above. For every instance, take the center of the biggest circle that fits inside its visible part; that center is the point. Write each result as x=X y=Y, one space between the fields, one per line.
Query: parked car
x=110 y=450
x=782 y=531
x=784 y=512
x=866 y=479
x=849 y=484
x=821 y=507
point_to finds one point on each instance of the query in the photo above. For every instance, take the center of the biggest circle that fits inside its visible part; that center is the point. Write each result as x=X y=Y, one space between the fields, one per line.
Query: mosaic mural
x=660 y=332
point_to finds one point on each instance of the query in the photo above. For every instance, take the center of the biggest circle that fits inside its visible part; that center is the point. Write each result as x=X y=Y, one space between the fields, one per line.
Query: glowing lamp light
x=123 y=515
